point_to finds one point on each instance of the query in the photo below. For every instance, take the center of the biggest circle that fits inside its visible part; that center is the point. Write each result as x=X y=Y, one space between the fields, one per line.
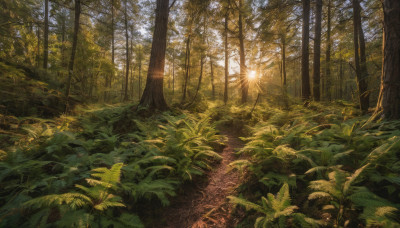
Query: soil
x=206 y=205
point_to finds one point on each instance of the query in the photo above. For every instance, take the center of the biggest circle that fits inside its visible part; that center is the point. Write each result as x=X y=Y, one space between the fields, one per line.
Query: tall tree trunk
x=38 y=46
x=153 y=96
x=73 y=50
x=63 y=42
x=211 y=71
x=173 y=73
x=305 y=71
x=126 y=96
x=140 y=72
x=317 y=52
x=244 y=83
x=200 y=78
x=363 y=63
x=283 y=54
x=389 y=97
x=132 y=67
x=187 y=68
x=226 y=58
x=109 y=81
x=283 y=70
x=340 y=75
x=328 y=80
x=212 y=78
x=46 y=34
x=361 y=78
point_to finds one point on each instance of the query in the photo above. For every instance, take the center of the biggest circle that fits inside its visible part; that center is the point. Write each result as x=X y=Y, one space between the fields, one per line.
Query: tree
x=139 y=59
x=389 y=97
x=244 y=82
x=317 y=51
x=127 y=63
x=109 y=78
x=153 y=96
x=46 y=34
x=73 y=51
x=327 y=81
x=305 y=73
x=226 y=57
x=359 y=51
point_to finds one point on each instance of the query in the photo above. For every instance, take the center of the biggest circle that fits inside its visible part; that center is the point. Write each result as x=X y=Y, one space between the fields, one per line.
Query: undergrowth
x=319 y=166
x=342 y=170
x=98 y=169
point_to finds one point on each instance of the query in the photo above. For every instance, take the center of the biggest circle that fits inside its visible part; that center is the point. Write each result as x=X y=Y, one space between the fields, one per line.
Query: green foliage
x=276 y=210
x=74 y=166
x=97 y=197
x=334 y=154
x=25 y=91
x=338 y=190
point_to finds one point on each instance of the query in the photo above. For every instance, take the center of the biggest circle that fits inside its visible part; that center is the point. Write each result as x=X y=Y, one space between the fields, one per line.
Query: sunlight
x=252 y=75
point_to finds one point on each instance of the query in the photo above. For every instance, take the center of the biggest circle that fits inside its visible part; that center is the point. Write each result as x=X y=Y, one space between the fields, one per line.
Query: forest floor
x=206 y=204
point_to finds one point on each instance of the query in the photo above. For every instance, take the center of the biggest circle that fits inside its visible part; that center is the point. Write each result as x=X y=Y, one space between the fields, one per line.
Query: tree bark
x=200 y=78
x=46 y=34
x=132 y=67
x=317 y=52
x=212 y=78
x=73 y=50
x=226 y=57
x=126 y=96
x=305 y=72
x=328 y=80
x=283 y=54
x=109 y=81
x=140 y=72
x=38 y=46
x=63 y=28
x=364 y=71
x=187 y=68
x=360 y=72
x=389 y=97
x=340 y=75
x=153 y=96
x=244 y=83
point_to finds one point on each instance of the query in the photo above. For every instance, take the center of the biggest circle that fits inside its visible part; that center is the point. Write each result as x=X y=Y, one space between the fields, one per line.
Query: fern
x=376 y=210
x=275 y=209
x=73 y=200
x=337 y=190
x=97 y=197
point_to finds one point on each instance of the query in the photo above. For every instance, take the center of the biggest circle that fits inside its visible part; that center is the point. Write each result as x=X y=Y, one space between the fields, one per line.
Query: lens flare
x=252 y=75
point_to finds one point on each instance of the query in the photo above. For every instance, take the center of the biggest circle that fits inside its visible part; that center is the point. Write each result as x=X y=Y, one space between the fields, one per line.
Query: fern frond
x=286 y=212
x=247 y=204
x=283 y=197
x=318 y=195
x=353 y=178
x=74 y=200
x=106 y=204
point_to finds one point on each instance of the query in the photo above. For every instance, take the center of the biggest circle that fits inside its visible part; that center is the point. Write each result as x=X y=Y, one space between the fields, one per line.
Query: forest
x=200 y=113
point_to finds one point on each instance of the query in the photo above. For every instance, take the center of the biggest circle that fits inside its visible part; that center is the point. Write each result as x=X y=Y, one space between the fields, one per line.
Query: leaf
x=247 y=204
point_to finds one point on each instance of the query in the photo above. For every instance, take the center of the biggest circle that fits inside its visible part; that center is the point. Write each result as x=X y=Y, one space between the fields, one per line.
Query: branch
x=172 y=4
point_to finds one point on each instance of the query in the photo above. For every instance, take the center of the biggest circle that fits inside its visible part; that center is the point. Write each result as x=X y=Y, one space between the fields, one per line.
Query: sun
x=252 y=75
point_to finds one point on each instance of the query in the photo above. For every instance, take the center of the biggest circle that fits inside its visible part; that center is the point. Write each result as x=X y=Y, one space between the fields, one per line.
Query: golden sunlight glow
x=252 y=75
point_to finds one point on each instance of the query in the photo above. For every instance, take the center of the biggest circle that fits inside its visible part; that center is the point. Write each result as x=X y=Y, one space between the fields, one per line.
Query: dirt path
x=206 y=205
